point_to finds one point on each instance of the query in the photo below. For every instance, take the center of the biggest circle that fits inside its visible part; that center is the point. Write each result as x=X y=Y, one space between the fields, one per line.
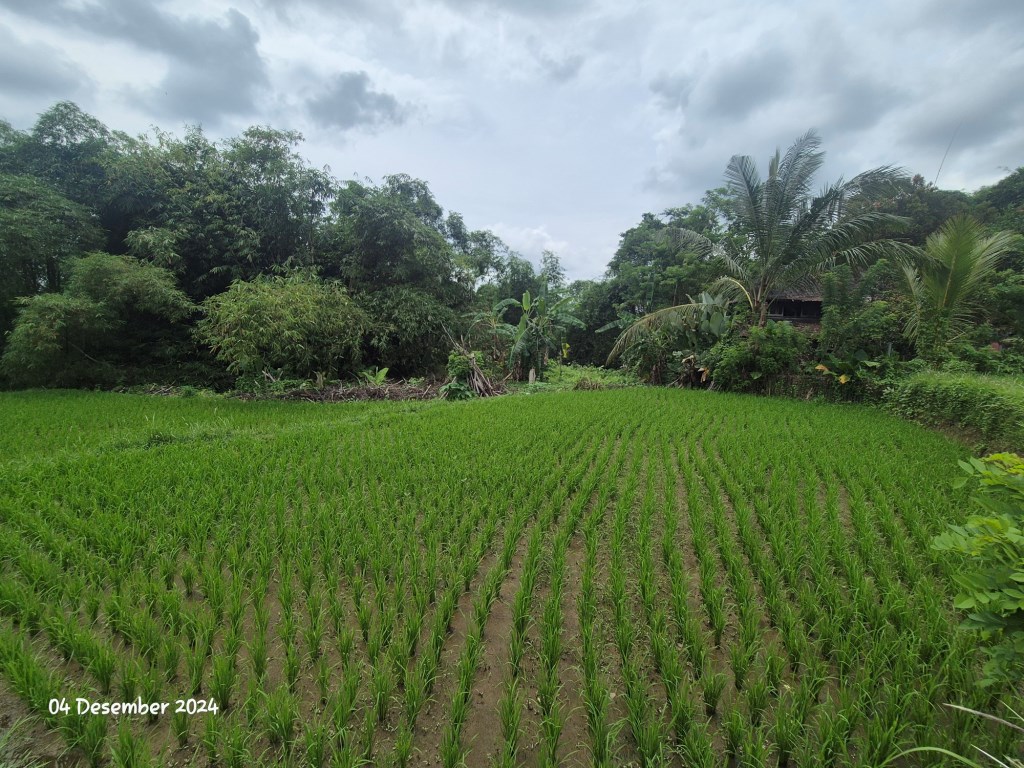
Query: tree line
x=222 y=263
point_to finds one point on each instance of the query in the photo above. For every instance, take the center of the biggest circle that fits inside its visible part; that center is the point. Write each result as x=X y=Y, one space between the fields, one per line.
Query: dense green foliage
x=114 y=313
x=250 y=210
x=761 y=360
x=287 y=327
x=990 y=405
x=727 y=577
x=992 y=543
x=946 y=286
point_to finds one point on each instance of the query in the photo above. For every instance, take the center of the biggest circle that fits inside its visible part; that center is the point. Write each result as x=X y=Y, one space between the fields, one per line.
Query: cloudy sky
x=554 y=123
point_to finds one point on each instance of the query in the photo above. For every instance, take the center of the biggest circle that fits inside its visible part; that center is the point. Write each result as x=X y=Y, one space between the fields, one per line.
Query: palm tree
x=944 y=285
x=787 y=235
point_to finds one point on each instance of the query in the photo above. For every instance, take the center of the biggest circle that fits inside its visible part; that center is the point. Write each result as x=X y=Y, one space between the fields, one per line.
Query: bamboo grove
x=646 y=577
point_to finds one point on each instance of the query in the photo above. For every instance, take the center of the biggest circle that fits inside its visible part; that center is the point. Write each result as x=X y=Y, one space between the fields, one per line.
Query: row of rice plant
x=755 y=584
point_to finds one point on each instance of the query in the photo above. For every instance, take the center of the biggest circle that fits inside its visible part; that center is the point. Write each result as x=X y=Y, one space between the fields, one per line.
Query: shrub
x=291 y=326
x=990 y=405
x=758 y=361
x=992 y=586
x=114 y=312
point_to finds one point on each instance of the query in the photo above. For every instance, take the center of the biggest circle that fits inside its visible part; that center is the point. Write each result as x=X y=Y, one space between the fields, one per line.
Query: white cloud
x=562 y=120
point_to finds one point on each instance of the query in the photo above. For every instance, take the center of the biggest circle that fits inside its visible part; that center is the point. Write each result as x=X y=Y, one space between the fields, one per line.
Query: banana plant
x=540 y=330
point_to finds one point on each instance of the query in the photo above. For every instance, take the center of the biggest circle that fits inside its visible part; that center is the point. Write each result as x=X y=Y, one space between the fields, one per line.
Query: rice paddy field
x=635 y=577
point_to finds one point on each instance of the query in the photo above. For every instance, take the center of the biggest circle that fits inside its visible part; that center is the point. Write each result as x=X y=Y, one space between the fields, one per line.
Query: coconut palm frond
x=731 y=289
x=688 y=240
x=945 y=280
x=745 y=186
x=793 y=176
x=662 y=318
x=875 y=183
x=916 y=291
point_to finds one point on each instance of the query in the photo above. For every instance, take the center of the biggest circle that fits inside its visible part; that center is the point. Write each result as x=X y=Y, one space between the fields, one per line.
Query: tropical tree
x=945 y=285
x=783 y=235
x=115 y=315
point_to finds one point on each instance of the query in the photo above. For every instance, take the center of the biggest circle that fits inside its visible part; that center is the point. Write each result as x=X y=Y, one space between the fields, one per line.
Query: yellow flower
x=843 y=379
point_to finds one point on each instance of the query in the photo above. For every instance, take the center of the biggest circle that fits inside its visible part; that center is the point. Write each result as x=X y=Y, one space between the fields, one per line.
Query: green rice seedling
x=130 y=675
x=364 y=615
x=375 y=643
x=510 y=711
x=754 y=751
x=222 y=680
x=188 y=577
x=147 y=639
x=171 y=658
x=195 y=666
x=452 y=755
x=292 y=666
x=93 y=602
x=315 y=740
x=258 y=658
x=348 y=756
x=254 y=694
x=415 y=691
x=740 y=660
x=774 y=666
x=152 y=688
x=168 y=572
x=324 y=675
x=715 y=604
x=288 y=628
x=403 y=745
x=128 y=751
x=551 y=726
x=698 y=749
x=232 y=642
x=235 y=750
x=517 y=647
x=368 y=734
x=280 y=714
x=261 y=615
x=758 y=697
x=93 y=739
x=101 y=667
x=735 y=726
x=833 y=730
x=179 y=727
x=381 y=685
x=714 y=685
x=346 y=643
x=211 y=739
x=788 y=730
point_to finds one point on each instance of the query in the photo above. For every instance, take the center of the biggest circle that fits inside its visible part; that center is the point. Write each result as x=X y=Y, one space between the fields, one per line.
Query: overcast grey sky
x=554 y=123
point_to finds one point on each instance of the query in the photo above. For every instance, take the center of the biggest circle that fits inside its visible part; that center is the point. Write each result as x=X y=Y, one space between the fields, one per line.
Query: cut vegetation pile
x=647 y=577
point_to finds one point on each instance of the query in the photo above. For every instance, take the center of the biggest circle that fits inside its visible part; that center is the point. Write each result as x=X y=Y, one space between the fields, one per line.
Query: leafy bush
x=993 y=545
x=407 y=330
x=993 y=406
x=114 y=312
x=456 y=390
x=758 y=361
x=289 y=326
